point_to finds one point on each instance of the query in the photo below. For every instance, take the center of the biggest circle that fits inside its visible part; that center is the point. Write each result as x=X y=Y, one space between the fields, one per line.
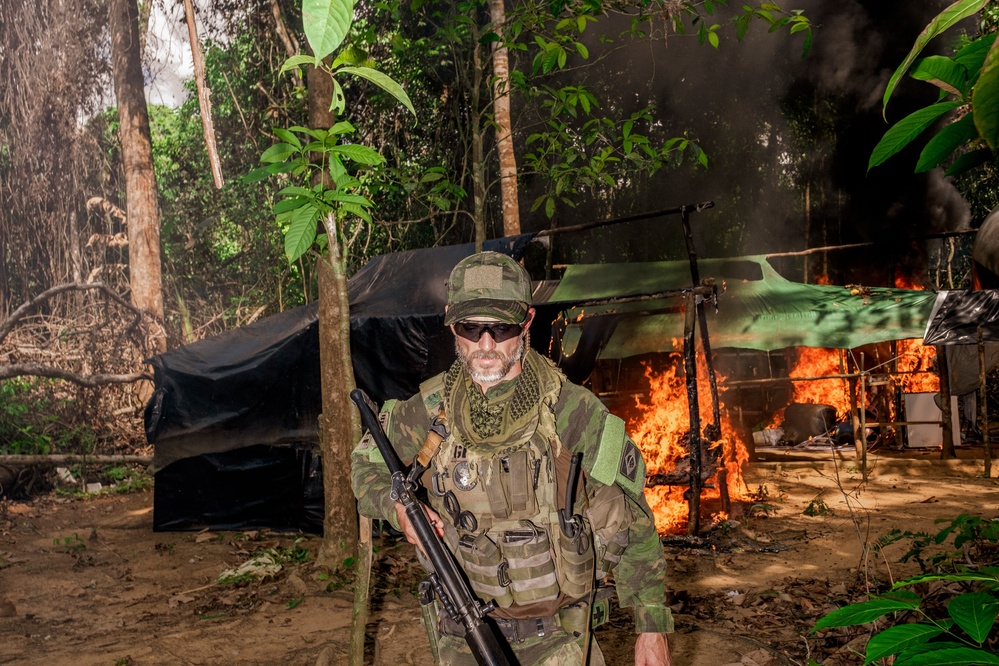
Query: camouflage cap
x=488 y=284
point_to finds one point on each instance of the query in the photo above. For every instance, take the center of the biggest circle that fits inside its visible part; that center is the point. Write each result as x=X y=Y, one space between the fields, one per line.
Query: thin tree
x=142 y=209
x=504 y=125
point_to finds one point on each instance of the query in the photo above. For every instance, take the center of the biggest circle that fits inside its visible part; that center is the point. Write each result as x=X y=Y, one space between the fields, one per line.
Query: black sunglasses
x=499 y=332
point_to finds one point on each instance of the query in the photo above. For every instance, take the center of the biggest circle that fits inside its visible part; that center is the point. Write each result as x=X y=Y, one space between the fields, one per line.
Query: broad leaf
x=287 y=137
x=952 y=654
x=383 y=81
x=985 y=99
x=865 y=612
x=279 y=152
x=974 y=612
x=972 y=56
x=956 y=13
x=301 y=231
x=895 y=639
x=326 y=24
x=297 y=61
x=358 y=153
x=286 y=205
x=969 y=161
x=963 y=576
x=945 y=142
x=907 y=129
x=935 y=654
x=942 y=72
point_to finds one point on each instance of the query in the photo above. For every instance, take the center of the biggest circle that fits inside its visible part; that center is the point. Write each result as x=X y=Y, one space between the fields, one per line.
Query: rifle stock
x=450 y=583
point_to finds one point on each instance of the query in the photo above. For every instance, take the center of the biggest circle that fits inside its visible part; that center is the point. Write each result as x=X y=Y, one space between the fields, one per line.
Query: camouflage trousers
x=557 y=649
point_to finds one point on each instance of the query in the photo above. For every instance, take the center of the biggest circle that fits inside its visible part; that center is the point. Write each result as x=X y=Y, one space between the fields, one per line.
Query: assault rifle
x=448 y=581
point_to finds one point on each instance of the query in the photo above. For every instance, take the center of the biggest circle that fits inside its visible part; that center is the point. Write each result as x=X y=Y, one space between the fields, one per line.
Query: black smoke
x=788 y=139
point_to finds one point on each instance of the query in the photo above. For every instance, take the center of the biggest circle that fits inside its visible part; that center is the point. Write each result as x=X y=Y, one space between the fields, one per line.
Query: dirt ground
x=87 y=582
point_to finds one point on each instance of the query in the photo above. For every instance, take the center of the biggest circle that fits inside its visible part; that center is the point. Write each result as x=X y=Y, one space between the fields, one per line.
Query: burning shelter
x=233 y=419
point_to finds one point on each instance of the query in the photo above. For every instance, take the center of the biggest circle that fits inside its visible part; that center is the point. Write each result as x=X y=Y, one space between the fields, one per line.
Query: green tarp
x=757 y=308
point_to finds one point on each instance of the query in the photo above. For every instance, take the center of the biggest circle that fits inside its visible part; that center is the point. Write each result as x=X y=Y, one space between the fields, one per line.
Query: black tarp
x=957 y=315
x=233 y=419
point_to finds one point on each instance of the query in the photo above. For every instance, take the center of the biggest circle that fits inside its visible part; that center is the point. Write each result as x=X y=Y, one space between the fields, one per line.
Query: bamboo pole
x=863 y=419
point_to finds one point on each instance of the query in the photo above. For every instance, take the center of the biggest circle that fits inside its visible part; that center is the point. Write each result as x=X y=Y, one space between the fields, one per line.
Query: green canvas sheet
x=757 y=308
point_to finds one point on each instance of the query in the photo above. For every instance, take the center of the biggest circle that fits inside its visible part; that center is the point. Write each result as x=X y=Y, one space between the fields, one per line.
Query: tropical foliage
x=953 y=628
x=969 y=90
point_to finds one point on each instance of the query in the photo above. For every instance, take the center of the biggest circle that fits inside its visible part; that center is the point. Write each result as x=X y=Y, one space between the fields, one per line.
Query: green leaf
x=301 y=231
x=342 y=127
x=935 y=654
x=974 y=612
x=972 y=56
x=970 y=576
x=713 y=38
x=287 y=137
x=337 y=100
x=969 y=161
x=358 y=153
x=895 y=639
x=904 y=131
x=351 y=56
x=383 y=81
x=279 y=152
x=954 y=14
x=865 y=612
x=945 y=142
x=286 y=205
x=985 y=99
x=942 y=72
x=326 y=24
x=298 y=60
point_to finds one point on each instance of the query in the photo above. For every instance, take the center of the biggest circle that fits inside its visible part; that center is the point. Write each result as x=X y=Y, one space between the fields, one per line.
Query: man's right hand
x=406 y=527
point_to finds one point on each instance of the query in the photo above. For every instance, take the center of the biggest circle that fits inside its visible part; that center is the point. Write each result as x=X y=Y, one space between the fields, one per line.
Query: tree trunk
x=145 y=277
x=478 y=147
x=339 y=425
x=504 y=125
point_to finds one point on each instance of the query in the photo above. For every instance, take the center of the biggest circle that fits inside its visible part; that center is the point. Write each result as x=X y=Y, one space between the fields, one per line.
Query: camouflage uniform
x=582 y=422
x=545 y=420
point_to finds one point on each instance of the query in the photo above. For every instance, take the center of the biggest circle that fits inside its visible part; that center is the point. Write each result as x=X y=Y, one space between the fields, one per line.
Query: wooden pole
x=362 y=585
x=863 y=419
x=854 y=417
x=946 y=417
x=983 y=404
x=690 y=370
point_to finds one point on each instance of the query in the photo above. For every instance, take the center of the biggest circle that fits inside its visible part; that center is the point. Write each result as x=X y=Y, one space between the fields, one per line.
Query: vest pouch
x=530 y=565
x=576 y=570
x=484 y=566
x=518 y=478
x=609 y=509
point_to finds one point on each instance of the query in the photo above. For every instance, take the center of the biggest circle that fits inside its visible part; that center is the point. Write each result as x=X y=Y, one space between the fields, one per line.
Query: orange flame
x=660 y=430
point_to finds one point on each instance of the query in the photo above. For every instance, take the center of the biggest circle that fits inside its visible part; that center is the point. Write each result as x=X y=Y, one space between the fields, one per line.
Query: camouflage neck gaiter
x=508 y=417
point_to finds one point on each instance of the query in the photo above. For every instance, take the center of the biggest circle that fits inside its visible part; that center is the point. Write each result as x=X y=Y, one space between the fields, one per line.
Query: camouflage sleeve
x=610 y=457
x=369 y=477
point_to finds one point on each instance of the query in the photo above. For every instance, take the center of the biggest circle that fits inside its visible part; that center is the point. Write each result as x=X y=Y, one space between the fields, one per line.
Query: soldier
x=502 y=426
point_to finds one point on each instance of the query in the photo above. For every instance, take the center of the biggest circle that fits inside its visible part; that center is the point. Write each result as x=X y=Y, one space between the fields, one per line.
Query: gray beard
x=506 y=364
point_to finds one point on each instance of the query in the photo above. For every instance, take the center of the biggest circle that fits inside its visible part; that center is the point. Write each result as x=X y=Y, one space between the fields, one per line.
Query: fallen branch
x=91 y=381
x=24 y=308
x=72 y=459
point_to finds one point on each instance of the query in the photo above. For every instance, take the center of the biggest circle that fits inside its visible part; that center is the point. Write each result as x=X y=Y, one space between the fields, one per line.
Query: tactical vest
x=500 y=507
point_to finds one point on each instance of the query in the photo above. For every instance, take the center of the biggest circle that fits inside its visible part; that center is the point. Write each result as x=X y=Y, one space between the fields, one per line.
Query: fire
x=818 y=362
x=660 y=431
x=915 y=357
